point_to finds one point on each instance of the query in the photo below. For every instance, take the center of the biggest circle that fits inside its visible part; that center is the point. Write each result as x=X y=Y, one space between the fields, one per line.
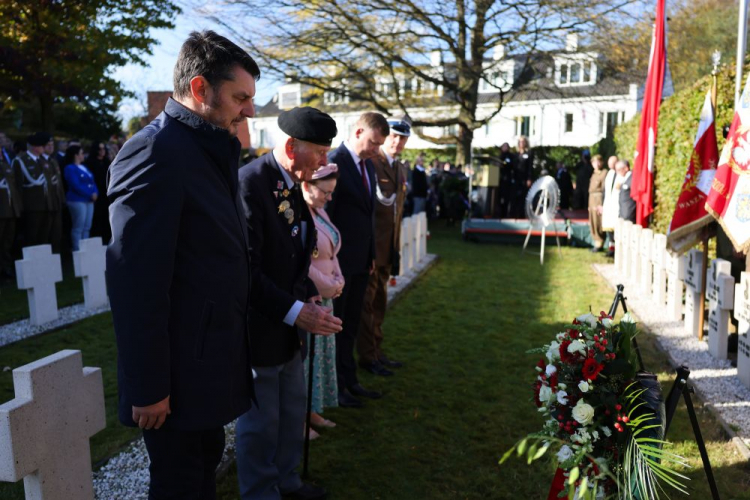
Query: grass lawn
x=14 y=305
x=464 y=396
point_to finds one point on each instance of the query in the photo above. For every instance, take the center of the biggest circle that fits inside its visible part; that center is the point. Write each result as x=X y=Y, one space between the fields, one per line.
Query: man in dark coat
x=10 y=212
x=56 y=194
x=178 y=270
x=565 y=184
x=30 y=169
x=625 y=180
x=352 y=211
x=583 y=177
x=282 y=238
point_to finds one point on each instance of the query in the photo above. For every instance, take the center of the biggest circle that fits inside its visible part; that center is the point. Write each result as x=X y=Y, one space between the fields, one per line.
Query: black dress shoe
x=346 y=400
x=376 y=369
x=307 y=492
x=358 y=390
x=390 y=363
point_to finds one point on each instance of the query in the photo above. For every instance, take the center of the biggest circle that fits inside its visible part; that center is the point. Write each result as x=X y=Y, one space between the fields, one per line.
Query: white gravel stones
x=716 y=380
x=23 y=329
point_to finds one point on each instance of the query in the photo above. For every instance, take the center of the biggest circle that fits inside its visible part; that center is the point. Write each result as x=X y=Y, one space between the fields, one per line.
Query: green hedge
x=678 y=124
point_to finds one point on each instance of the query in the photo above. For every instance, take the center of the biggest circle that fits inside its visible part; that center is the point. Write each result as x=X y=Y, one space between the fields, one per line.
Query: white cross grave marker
x=720 y=295
x=659 y=260
x=635 y=276
x=417 y=239
x=623 y=246
x=37 y=273
x=675 y=275
x=693 y=280
x=414 y=237
x=405 y=244
x=45 y=430
x=89 y=263
x=423 y=236
x=618 y=237
x=647 y=243
x=742 y=314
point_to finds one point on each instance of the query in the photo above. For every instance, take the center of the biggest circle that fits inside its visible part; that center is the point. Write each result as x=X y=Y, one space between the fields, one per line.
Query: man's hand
x=318 y=320
x=152 y=416
x=599 y=209
x=94 y=196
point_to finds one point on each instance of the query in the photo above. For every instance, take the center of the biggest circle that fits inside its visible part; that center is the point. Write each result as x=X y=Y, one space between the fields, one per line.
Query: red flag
x=643 y=163
x=729 y=198
x=690 y=211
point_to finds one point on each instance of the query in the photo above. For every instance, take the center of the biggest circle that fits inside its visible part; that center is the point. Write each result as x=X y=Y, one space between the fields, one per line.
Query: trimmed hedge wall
x=678 y=124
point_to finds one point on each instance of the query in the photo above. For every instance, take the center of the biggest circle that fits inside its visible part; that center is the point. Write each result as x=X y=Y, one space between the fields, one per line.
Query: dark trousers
x=348 y=307
x=183 y=463
x=370 y=335
x=36 y=228
x=56 y=231
x=7 y=235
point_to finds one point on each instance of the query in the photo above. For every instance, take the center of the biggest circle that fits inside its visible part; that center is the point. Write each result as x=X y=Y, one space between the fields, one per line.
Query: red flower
x=541 y=364
x=574 y=334
x=591 y=369
x=565 y=356
x=553 y=381
x=537 y=387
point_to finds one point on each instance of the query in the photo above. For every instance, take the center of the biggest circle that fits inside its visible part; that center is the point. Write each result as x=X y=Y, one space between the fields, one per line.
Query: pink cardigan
x=324 y=269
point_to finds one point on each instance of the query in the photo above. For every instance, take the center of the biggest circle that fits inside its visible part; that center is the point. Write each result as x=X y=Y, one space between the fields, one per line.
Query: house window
x=568 y=122
x=523 y=125
x=288 y=100
x=575 y=73
x=609 y=120
x=262 y=138
x=564 y=73
x=450 y=130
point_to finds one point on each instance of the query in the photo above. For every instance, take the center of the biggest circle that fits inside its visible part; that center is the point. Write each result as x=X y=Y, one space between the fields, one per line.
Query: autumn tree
x=383 y=52
x=59 y=53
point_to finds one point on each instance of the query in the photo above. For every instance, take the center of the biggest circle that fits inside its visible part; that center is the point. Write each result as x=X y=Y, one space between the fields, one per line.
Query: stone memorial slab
x=624 y=248
x=618 y=237
x=405 y=245
x=659 y=262
x=693 y=298
x=89 y=263
x=414 y=242
x=423 y=236
x=742 y=315
x=417 y=238
x=635 y=257
x=675 y=285
x=720 y=295
x=647 y=243
x=45 y=430
x=37 y=273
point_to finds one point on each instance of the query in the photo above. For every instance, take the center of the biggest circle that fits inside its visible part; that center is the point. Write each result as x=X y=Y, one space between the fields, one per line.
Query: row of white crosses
x=413 y=241
x=40 y=269
x=643 y=259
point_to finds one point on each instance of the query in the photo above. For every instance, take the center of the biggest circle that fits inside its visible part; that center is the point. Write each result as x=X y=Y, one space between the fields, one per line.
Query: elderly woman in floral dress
x=326 y=274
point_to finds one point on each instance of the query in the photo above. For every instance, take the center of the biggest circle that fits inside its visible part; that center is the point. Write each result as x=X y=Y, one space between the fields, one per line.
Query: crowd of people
x=229 y=288
x=51 y=193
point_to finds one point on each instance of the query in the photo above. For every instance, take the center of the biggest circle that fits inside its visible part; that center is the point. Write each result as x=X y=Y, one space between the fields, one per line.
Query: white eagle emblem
x=741 y=152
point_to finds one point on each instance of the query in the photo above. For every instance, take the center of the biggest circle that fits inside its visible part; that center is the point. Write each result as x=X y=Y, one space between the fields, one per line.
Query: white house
x=560 y=98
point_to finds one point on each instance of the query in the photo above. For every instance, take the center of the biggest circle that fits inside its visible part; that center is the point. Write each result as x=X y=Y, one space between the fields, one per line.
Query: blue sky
x=157 y=75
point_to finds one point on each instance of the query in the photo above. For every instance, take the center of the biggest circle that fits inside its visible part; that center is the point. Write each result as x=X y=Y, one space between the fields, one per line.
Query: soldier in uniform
x=391 y=191
x=29 y=169
x=10 y=211
x=56 y=193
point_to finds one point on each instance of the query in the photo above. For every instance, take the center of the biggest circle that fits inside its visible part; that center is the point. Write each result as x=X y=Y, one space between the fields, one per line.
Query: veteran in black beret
x=283 y=299
x=31 y=173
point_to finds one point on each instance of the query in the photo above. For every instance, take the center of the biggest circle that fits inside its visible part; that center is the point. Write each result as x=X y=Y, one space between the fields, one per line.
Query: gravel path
x=716 y=380
x=23 y=329
x=125 y=476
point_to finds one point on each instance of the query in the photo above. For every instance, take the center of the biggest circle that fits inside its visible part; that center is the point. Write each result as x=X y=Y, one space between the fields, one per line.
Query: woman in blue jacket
x=81 y=195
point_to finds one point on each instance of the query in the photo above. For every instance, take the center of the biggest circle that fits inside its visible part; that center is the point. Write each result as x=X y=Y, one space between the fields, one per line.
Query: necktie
x=364 y=176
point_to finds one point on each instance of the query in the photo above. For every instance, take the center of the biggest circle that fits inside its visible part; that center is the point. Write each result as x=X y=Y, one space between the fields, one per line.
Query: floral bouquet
x=604 y=419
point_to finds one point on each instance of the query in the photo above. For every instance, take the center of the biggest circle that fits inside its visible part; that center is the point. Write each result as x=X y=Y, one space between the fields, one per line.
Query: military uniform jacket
x=32 y=182
x=280 y=260
x=55 y=190
x=389 y=208
x=11 y=203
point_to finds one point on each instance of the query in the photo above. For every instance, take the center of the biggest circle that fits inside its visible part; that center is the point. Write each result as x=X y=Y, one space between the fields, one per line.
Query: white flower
x=564 y=454
x=627 y=318
x=553 y=352
x=583 y=412
x=607 y=323
x=550 y=370
x=589 y=319
x=583 y=386
x=560 y=336
x=577 y=346
x=562 y=386
x=595 y=435
x=562 y=397
x=606 y=431
x=545 y=393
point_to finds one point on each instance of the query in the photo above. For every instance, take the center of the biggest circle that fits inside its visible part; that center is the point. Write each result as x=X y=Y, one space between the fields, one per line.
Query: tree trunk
x=46 y=113
x=463 y=147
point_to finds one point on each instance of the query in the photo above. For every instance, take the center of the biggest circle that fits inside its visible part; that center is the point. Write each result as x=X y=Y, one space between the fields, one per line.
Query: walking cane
x=311 y=357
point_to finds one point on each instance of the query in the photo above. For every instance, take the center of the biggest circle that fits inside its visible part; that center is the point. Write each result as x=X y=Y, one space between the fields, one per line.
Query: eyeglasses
x=326 y=194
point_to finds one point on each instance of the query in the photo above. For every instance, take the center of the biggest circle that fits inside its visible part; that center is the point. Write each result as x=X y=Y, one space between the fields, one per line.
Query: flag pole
x=741 y=46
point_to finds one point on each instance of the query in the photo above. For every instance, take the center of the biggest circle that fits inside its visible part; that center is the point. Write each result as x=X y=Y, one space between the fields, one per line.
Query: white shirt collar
x=284 y=173
x=388 y=157
x=35 y=158
x=419 y=167
x=355 y=156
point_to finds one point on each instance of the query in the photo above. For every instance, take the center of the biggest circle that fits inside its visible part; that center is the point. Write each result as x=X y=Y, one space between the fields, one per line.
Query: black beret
x=39 y=139
x=308 y=124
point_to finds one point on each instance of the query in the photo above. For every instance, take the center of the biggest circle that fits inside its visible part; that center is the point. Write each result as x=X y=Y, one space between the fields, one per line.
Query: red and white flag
x=729 y=198
x=690 y=212
x=642 y=190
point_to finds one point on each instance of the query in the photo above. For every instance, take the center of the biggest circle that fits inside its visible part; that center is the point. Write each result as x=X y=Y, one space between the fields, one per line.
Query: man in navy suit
x=178 y=270
x=282 y=239
x=352 y=211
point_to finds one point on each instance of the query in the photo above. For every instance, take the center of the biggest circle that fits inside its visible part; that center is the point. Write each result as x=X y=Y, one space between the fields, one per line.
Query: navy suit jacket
x=280 y=262
x=352 y=211
x=178 y=272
